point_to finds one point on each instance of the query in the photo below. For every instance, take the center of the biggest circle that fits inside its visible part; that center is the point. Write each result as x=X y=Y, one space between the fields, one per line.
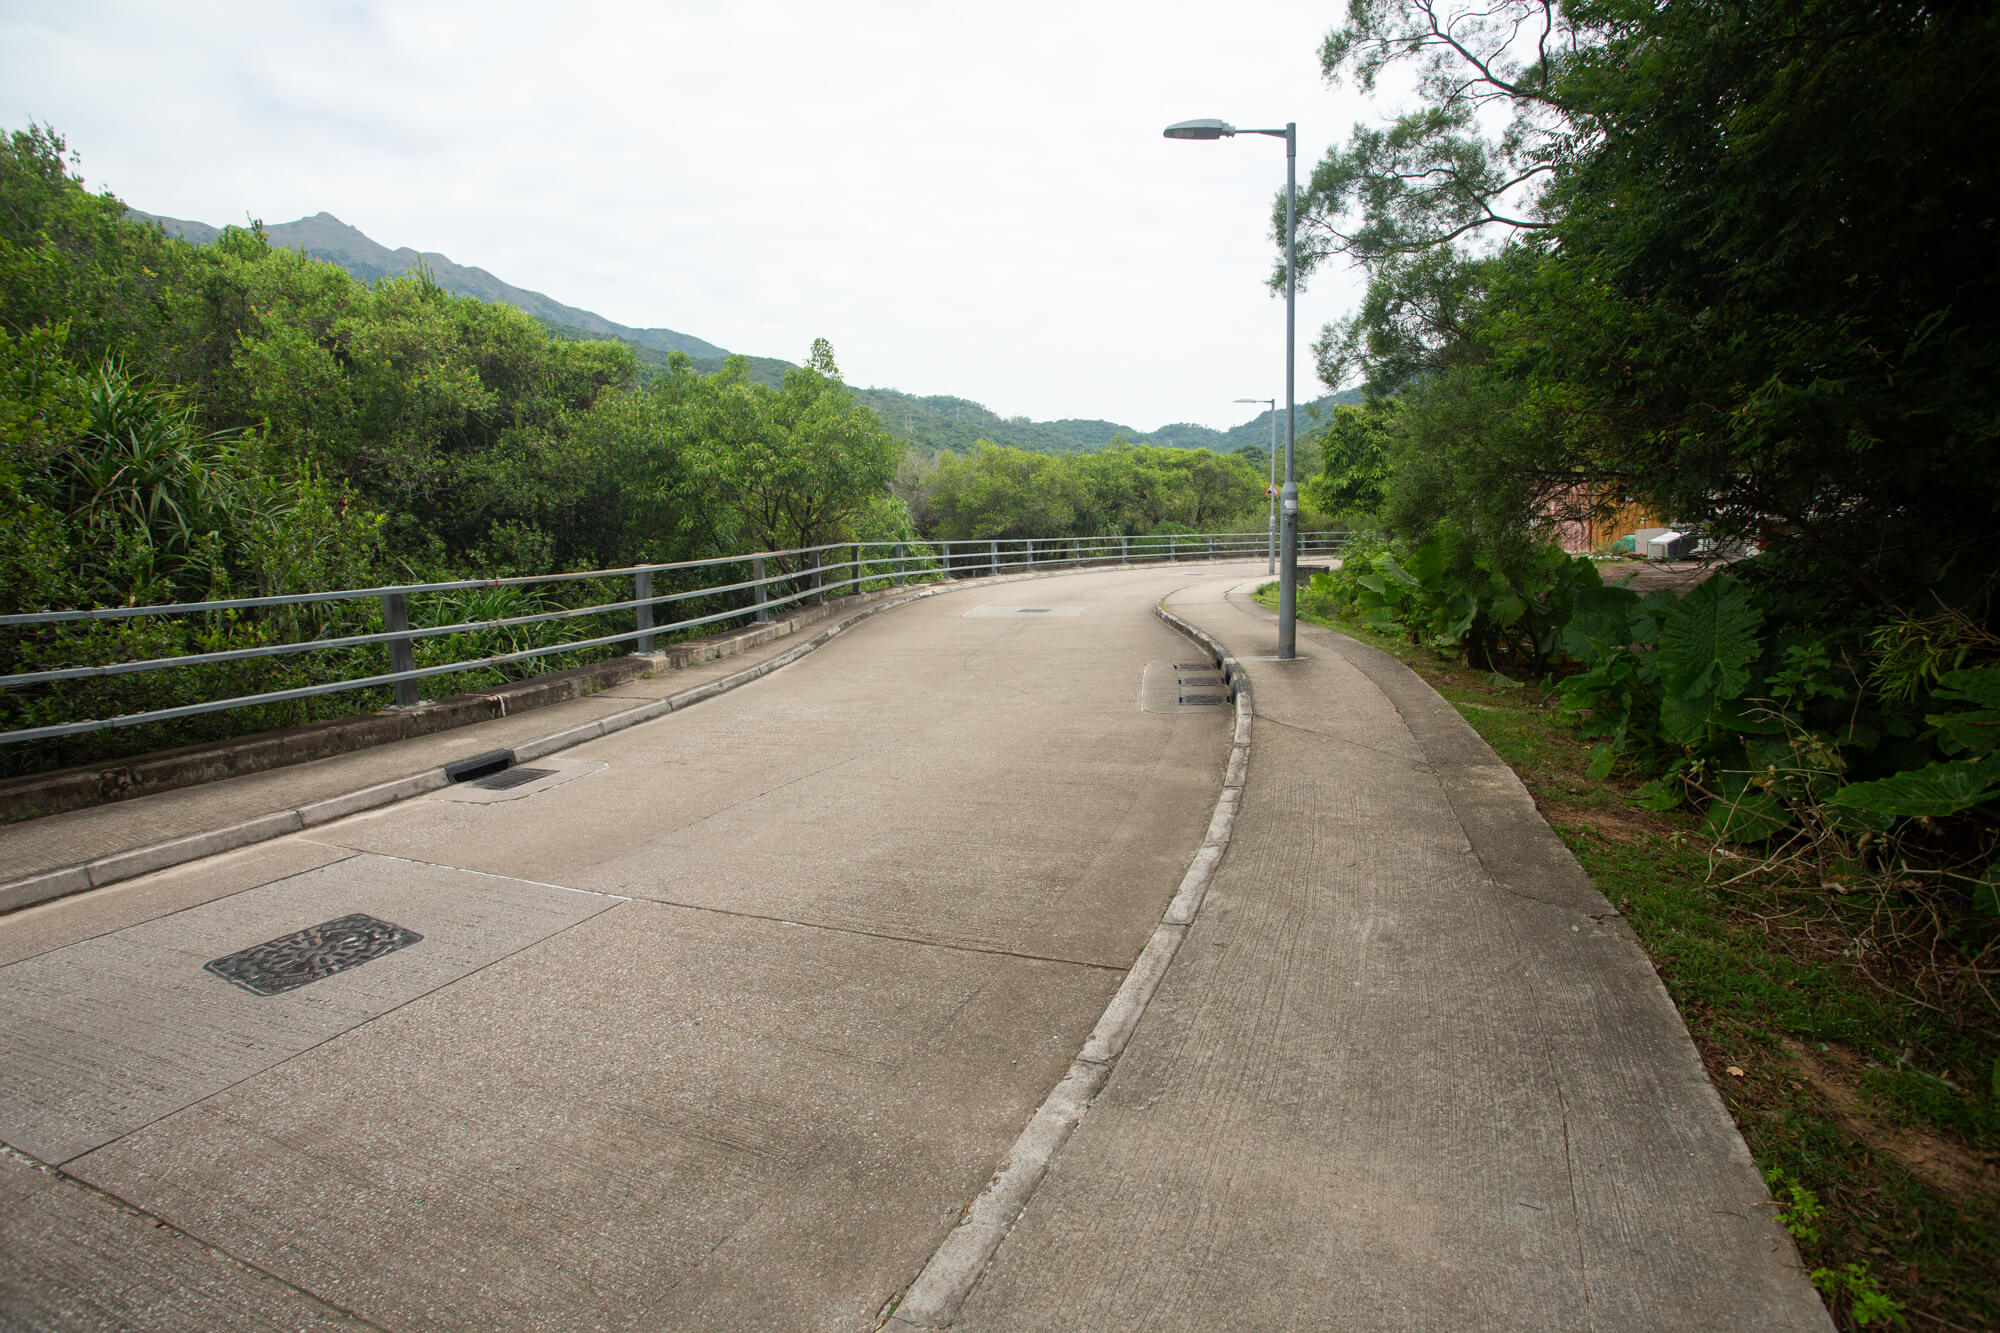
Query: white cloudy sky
x=966 y=199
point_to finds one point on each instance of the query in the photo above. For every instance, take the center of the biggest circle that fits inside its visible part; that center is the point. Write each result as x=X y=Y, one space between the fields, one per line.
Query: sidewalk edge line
x=934 y=1299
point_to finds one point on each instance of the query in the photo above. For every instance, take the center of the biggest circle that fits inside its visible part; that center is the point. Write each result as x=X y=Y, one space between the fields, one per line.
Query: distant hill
x=324 y=236
x=956 y=424
x=937 y=422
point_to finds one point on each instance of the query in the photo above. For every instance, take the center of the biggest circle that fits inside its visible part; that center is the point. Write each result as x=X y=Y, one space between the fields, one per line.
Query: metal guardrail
x=775 y=579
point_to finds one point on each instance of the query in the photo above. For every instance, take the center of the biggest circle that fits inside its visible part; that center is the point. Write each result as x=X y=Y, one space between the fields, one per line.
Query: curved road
x=719 y=1024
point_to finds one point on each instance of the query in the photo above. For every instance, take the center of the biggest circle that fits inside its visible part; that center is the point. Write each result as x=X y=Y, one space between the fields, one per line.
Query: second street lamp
x=1271 y=490
x=1288 y=500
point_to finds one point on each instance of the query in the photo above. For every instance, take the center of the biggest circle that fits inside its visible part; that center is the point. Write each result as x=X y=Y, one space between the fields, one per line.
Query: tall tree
x=1733 y=259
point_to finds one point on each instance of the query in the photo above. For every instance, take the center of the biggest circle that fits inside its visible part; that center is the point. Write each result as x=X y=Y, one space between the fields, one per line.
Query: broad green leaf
x=1507 y=609
x=1602 y=759
x=1931 y=791
x=1709 y=640
x=1986 y=900
x=1661 y=794
x=1974 y=685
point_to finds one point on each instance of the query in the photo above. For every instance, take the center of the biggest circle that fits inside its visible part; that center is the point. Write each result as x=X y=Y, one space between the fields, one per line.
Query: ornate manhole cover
x=513 y=777
x=306 y=956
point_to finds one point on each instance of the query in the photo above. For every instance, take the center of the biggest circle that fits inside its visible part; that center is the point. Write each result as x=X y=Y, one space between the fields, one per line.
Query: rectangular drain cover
x=1194 y=666
x=1201 y=699
x=513 y=777
x=1198 y=680
x=309 y=955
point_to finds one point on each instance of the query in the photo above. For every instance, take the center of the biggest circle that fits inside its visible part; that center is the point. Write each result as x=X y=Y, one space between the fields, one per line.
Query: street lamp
x=1271 y=491
x=1288 y=570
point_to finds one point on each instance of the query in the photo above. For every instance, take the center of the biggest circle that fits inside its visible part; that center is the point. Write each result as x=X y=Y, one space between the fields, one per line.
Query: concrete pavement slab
x=108 y=1034
x=78 y=1262
x=1056 y=808
x=661 y=1118
x=37 y=847
x=1408 y=1070
x=51 y=925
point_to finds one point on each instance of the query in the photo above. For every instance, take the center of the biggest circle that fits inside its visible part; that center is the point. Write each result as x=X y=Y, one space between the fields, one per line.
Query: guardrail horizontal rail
x=776 y=579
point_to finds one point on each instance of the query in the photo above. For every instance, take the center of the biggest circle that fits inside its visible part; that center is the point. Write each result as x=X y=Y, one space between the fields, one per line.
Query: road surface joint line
x=858 y=931
x=939 y=1292
x=130 y=1209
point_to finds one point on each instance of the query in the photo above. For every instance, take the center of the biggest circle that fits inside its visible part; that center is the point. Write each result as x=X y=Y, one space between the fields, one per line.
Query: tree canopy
x=1735 y=261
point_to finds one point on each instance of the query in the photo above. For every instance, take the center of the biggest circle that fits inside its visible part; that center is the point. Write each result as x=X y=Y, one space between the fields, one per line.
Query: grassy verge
x=1868 y=1109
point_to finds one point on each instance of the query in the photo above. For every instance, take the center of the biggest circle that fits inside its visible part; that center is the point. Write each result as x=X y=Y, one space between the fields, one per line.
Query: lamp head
x=1200 y=129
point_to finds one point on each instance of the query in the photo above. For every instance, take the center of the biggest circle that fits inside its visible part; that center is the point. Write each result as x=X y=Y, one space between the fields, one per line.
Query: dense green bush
x=183 y=423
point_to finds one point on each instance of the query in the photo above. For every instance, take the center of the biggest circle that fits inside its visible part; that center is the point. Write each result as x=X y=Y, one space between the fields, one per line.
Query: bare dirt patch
x=1945 y=1165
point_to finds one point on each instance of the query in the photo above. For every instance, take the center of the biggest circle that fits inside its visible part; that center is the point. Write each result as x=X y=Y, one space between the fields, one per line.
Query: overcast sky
x=963 y=199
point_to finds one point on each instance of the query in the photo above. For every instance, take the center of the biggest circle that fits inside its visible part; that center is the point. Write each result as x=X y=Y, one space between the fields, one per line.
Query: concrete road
x=718 y=1023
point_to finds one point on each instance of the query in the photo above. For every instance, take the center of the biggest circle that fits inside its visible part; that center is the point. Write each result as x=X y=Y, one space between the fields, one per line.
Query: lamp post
x=1271 y=490
x=1288 y=568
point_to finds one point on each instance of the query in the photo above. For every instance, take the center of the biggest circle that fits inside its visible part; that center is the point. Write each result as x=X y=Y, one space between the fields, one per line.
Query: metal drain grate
x=1198 y=680
x=1194 y=666
x=1034 y=610
x=1202 y=699
x=513 y=777
x=308 y=955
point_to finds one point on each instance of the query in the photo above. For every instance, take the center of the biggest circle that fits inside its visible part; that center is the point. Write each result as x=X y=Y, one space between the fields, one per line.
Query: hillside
x=324 y=236
x=936 y=423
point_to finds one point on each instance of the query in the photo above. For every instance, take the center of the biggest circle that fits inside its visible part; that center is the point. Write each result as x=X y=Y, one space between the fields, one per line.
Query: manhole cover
x=513 y=777
x=306 y=956
x=1201 y=699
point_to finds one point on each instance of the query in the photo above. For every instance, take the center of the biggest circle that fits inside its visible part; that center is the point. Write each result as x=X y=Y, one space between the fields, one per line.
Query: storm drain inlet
x=512 y=778
x=312 y=954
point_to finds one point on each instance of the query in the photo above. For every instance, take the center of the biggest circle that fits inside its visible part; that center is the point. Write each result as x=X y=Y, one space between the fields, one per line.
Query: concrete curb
x=934 y=1300
x=47 y=885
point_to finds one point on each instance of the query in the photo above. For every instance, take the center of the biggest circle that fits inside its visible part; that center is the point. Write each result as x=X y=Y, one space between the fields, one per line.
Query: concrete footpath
x=1408 y=1069
x=969 y=972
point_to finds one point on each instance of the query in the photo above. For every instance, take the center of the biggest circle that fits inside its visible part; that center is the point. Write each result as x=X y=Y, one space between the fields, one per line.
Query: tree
x=1355 y=451
x=803 y=466
x=1734 y=261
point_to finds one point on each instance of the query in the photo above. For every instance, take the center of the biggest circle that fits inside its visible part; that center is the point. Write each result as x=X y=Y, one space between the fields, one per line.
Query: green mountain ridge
x=937 y=422
x=324 y=236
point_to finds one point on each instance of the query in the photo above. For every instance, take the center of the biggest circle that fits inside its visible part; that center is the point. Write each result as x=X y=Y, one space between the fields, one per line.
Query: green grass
x=1853 y=1096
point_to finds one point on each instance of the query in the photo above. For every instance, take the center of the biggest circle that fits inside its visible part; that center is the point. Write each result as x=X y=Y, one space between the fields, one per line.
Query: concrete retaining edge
x=48 y=885
x=934 y=1299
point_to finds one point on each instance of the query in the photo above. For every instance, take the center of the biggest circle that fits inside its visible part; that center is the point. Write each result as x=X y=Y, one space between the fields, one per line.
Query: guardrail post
x=1172 y=552
x=1029 y=549
x=858 y=576
x=642 y=590
x=996 y=557
x=763 y=597
x=1076 y=551
x=819 y=577
x=902 y=571
x=1124 y=549
x=396 y=619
